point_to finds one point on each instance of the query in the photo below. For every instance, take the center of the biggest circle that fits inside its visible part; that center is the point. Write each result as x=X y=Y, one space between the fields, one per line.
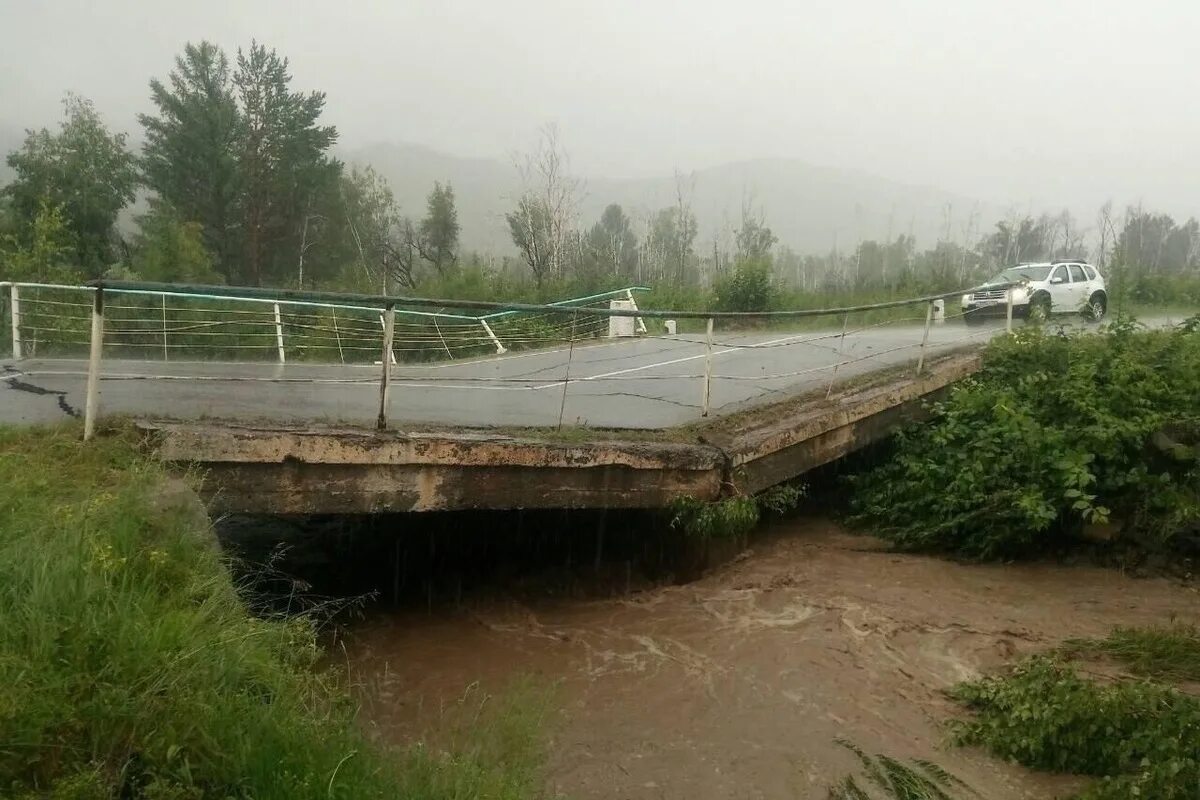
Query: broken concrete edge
x=346 y=470
x=766 y=430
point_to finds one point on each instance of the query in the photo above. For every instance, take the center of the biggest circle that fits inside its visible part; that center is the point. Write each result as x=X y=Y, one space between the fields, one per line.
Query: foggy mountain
x=806 y=206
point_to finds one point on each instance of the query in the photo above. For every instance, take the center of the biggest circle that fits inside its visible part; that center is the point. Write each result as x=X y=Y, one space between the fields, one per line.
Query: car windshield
x=1018 y=274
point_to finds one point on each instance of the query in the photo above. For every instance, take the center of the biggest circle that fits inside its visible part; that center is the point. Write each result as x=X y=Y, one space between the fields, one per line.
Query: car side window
x=1077 y=274
x=1059 y=274
x=1091 y=273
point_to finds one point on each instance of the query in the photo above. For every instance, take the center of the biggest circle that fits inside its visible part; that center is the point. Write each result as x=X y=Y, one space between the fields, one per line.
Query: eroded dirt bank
x=737 y=685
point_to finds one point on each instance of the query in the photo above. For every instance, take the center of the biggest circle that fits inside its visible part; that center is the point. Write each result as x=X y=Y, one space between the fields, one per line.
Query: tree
x=669 y=242
x=42 y=254
x=367 y=235
x=611 y=245
x=684 y=225
x=191 y=151
x=532 y=232
x=550 y=197
x=438 y=233
x=85 y=172
x=283 y=168
x=754 y=239
x=169 y=249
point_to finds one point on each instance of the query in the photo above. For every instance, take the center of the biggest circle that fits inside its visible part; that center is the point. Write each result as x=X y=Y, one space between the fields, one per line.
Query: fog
x=1033 y=104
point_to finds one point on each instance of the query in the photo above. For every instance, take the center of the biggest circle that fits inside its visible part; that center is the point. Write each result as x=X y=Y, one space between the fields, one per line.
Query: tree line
x=240 y=183
x=241 y=187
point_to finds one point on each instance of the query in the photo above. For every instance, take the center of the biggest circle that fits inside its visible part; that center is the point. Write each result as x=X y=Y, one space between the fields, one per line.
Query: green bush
x=1142 y=739
x=131 y=667
x=1054 y=433
x=749 y=288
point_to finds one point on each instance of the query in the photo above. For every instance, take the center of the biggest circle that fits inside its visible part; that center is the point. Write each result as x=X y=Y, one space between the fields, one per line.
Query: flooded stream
x=737 y=685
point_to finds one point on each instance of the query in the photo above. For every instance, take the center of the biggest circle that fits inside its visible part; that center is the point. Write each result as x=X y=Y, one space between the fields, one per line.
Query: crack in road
x=11 y=379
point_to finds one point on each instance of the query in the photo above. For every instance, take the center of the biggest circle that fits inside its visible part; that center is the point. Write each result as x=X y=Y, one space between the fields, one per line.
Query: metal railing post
x=925 y=338
x=279 y=335
x=639 y=324
x=500 y=349
x=1009 y=312
x=92 y=398
x=337 y=336
x=15 y=307
x=383 y=326
x=166 y=357
x=708 y=343
x=389 y=327
x=841 y=347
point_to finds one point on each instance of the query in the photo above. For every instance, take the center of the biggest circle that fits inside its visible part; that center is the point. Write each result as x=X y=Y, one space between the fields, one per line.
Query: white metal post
x=164 y=319
x=92 y=398
x=389 y=327
x=925 y=338
x=279 y=335
x=708 y=342
x=500 y=349
x=1008 y=314
x=337 y=336
x=639 y=323
x=838 y=363
x=15 y=307
x=389 y=352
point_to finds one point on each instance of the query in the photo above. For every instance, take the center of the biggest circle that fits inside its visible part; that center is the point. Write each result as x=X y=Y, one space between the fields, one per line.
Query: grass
x=1170 y=653
x=131 y=667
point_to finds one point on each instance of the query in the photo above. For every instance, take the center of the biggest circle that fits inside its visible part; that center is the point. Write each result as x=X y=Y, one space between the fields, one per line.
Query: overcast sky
x=1043 y=103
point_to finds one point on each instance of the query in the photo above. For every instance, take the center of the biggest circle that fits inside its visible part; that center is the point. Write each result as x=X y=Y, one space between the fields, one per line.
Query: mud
x=738 y=684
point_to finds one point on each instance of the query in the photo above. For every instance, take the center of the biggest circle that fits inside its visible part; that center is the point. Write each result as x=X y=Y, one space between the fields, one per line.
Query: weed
x=732 y=518
x=1169 y=653
x=918 y=780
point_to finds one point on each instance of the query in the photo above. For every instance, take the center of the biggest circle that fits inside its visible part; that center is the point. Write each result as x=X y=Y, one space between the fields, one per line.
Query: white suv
x=1059 y=287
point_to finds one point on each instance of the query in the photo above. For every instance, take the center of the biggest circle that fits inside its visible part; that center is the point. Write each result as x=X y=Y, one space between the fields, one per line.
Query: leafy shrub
x=1142 y=738
x=747 y=289
x=1052 y=434
x=781 y=499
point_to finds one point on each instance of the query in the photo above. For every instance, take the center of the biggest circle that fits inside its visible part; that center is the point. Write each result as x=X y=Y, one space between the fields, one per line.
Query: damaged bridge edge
x=281 y=470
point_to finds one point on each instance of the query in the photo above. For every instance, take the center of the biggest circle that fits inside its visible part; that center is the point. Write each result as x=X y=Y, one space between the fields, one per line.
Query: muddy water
x=737 y=685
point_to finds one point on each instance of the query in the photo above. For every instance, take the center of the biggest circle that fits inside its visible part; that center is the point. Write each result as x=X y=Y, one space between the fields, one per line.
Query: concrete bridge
x=334 y=470
x=547 y=408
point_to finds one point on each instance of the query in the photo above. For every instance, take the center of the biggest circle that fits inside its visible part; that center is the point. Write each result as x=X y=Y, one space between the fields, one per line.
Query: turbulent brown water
x=737 y=685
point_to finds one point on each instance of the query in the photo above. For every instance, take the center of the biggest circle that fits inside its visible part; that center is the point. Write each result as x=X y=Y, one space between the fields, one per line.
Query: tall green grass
x=1169 y=652
x=131 y=667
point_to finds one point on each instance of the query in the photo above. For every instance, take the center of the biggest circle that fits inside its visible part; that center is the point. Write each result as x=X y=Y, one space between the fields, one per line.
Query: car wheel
x=1096 y=308
x=1039 y=308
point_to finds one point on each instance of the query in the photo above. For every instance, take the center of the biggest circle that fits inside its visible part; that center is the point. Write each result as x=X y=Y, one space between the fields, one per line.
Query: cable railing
x=49 y=320
x=602 y=360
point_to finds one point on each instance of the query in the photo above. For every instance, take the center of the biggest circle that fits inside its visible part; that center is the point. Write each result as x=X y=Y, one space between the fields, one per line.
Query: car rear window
x=1091 y=273
x=1076 y=274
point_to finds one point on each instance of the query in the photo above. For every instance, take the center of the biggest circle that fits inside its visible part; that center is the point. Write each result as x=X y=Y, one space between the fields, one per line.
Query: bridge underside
x=290 y=470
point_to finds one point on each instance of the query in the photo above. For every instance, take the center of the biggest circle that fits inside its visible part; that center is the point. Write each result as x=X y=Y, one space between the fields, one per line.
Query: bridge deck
x=649 y=383
x=321 y=470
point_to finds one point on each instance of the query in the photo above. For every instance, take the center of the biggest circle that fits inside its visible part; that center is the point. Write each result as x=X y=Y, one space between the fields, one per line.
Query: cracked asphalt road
x=649 y=382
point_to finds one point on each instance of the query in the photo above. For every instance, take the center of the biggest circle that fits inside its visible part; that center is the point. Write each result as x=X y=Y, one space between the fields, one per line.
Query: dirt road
x=737 y=685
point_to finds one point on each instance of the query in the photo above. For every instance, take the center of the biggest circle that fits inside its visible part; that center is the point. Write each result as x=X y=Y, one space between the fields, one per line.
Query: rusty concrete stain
x=343 y=470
